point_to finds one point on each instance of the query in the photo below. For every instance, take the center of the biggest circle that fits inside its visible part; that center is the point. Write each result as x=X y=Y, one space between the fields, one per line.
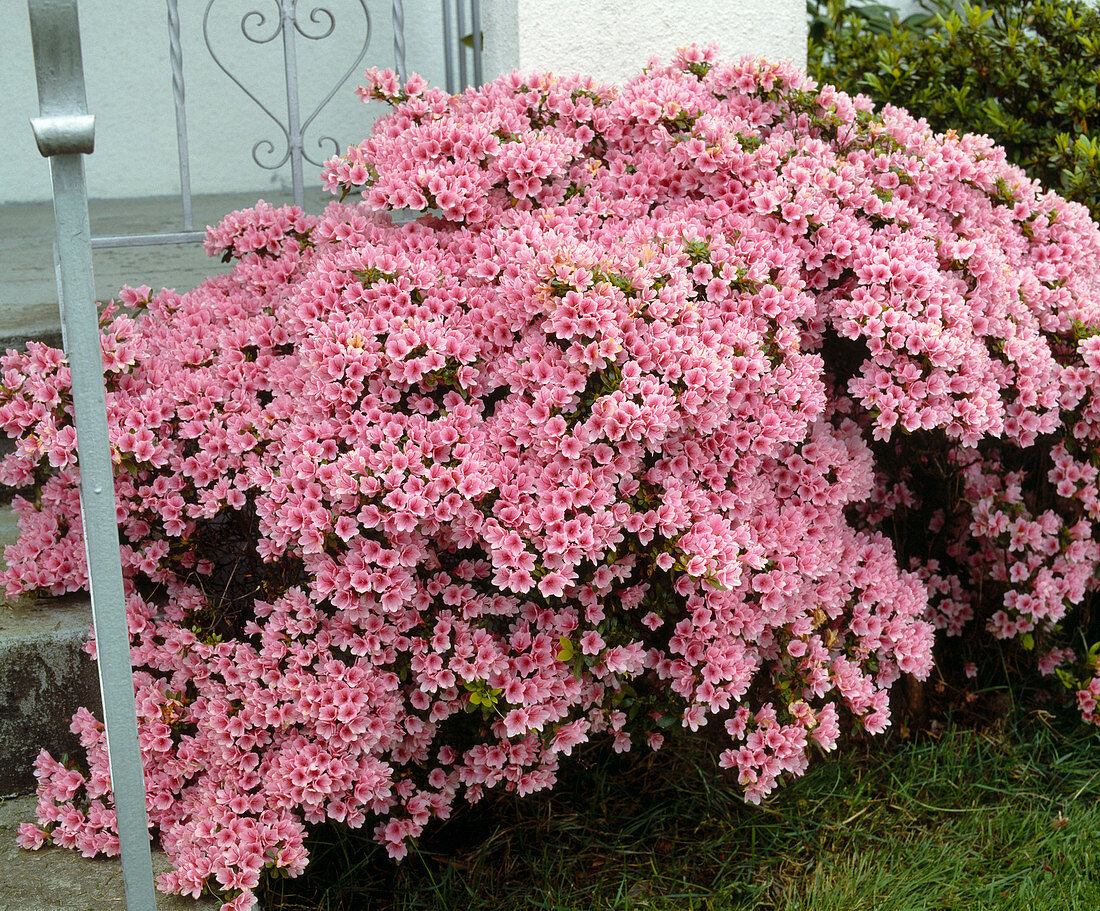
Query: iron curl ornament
x=287 y=19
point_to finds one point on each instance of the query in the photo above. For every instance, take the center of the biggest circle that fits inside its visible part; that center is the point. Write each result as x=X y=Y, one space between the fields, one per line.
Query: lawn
x=1000 y=813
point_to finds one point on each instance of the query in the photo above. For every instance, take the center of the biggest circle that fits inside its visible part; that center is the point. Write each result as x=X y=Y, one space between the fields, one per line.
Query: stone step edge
x=20 y=323
x=45 y=676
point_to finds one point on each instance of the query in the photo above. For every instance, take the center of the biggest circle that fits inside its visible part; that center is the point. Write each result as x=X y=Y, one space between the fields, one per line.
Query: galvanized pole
x=460 y=14
x=179 y=99
x=288 y=12
x=64 y=133
x=449 y=41
x=475 y=45
x=397 y=9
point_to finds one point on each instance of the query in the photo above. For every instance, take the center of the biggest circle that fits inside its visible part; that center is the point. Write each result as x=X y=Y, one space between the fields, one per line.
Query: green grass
x=1004 y=819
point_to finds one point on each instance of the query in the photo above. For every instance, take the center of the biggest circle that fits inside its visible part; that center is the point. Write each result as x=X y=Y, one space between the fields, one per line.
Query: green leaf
x=1067 y=678
x=565 y=651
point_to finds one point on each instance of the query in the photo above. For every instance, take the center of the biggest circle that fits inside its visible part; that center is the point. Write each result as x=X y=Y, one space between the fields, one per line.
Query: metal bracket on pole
x=64 y=132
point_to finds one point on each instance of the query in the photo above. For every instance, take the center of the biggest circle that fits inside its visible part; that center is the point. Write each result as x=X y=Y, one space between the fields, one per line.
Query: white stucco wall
x=905 y=7
x=613 y=39
x=129 y=83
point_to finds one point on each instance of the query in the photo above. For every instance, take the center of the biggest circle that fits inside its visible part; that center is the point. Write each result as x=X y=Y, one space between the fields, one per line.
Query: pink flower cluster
x=607 y=441
x=263 y=229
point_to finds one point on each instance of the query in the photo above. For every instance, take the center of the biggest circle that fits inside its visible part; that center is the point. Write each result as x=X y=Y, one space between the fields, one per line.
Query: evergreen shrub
x=1024 y=72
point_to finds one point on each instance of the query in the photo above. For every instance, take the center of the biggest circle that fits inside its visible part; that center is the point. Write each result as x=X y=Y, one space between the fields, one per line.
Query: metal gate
x=462 y=54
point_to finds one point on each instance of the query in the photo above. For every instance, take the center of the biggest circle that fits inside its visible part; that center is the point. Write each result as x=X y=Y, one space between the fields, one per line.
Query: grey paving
x=28 y=292
x=56 y=879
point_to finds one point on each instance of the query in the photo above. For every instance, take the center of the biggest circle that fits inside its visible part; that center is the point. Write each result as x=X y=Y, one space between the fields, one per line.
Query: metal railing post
x=450 y=39
x=397 y=10
x=460 y=15
x=175 y=52
x=65 y=132
x=289 y=24
x=475 y=44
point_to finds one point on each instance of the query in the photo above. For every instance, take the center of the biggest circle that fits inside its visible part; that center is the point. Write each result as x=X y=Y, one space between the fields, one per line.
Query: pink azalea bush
x=616 y=437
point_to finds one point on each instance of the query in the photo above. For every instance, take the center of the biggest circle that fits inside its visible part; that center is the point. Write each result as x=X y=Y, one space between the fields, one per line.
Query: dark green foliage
x=826 y=16
x=1025 y=72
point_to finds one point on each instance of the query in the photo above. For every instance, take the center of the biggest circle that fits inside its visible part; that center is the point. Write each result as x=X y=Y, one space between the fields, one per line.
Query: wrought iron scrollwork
x=289 y=22
x=318 y=10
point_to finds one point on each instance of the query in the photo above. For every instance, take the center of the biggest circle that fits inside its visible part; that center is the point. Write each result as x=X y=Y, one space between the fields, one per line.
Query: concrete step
x=56 y=879
x=44 y=676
